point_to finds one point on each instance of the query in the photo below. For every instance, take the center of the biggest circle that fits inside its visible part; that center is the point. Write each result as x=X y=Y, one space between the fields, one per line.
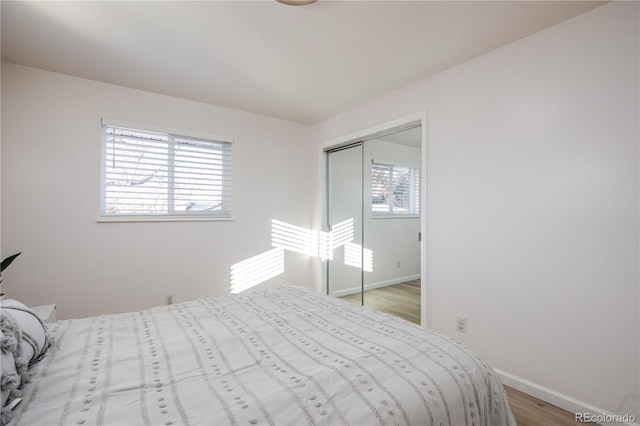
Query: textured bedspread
x=283 y=356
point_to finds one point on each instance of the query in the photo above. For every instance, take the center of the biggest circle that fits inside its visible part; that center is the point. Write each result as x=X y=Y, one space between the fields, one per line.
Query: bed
x=280 y=356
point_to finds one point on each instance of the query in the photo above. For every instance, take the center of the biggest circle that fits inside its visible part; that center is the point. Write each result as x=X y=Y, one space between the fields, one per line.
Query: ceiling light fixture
x=296 y=2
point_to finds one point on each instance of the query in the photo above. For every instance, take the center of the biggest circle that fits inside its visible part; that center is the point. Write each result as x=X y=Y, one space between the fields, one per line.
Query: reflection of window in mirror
x=394 y=190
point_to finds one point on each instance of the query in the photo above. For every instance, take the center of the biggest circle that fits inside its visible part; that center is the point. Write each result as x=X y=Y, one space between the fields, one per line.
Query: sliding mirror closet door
x=391 y=223
x=345 y=223
x=373 y=244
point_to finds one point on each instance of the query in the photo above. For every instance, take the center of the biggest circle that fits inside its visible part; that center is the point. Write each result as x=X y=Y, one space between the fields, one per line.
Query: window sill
x=396 y=216
x=111 y=219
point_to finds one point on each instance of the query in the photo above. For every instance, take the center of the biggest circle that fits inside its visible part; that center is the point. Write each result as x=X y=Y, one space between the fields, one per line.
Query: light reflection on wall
x=356 y=256
x=341 y=234
x=312 y=243
x=256 y=270
x=294 y=238
x=284 y=236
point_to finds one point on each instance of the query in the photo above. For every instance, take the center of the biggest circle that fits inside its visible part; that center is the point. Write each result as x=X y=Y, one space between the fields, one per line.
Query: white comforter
x=282 y=356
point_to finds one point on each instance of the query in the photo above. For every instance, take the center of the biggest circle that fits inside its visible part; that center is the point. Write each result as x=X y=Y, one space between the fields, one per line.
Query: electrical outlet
x=461 y=324
x=169 y=299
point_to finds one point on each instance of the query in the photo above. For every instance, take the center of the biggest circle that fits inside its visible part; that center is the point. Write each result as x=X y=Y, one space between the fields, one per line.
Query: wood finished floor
x=530 y=411
x=403 y=300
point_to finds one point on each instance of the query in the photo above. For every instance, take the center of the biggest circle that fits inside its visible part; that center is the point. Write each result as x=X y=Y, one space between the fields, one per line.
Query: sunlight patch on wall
x=256 y=270
x=353 y=256
x=341 y=233
x=294 y=238
x=284 y=236
x=309 y=242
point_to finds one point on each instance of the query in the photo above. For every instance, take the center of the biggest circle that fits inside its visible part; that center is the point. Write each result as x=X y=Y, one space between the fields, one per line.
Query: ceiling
x=300 y=63
x=409 y=137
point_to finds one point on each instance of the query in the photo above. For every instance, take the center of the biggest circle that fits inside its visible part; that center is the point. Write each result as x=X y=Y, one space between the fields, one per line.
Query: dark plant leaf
x=6 y=262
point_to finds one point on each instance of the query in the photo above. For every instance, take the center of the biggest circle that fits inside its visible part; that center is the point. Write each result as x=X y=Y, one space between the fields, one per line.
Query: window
x=394 y=190
x=148 y=174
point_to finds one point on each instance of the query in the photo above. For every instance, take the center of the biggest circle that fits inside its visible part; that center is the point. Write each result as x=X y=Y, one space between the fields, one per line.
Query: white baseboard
x=354 y=290
x=556 y=398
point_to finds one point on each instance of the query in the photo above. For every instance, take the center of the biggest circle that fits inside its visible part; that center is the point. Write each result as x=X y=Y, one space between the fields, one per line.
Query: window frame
x=414 y=190
x=172 y=215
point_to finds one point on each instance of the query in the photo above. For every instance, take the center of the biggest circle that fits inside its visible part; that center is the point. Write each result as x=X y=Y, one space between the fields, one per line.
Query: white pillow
x=12 y=364
x=24 y=340
x=10 y=378
x=35 y=336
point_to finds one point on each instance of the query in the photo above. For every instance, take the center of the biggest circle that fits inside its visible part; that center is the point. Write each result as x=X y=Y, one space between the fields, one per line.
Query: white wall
x=50 y=198
x=532 y=192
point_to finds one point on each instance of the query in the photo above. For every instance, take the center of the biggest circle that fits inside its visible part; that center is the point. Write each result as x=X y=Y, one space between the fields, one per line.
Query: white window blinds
x=395 y=190
x=147 y=173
